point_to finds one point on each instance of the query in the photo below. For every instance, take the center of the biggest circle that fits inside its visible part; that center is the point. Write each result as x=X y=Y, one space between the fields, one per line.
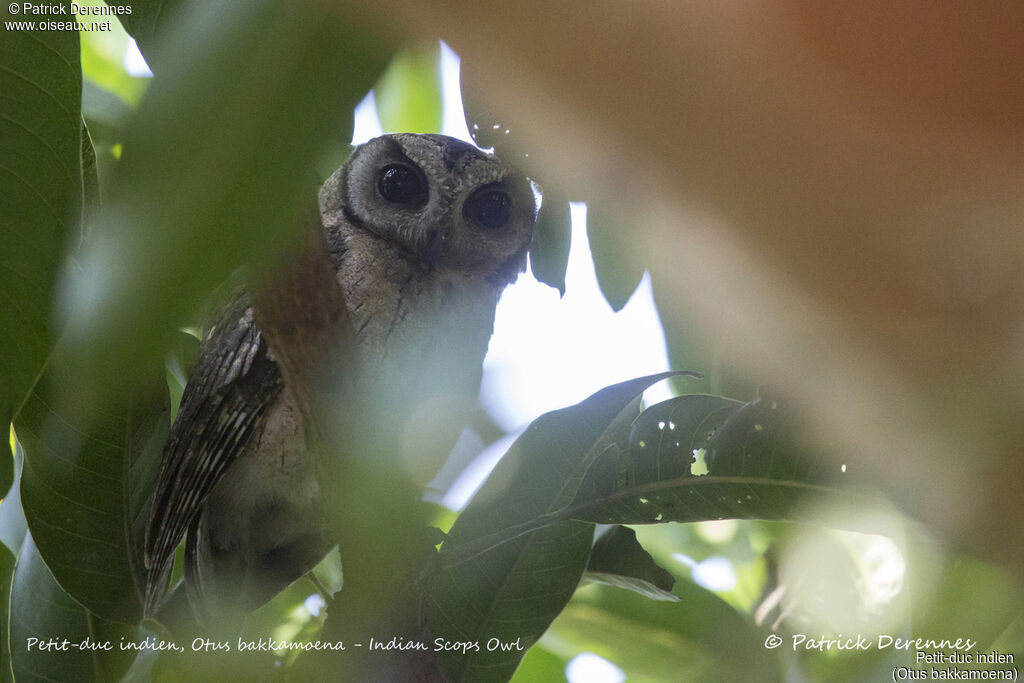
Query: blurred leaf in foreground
x=217 y=162
x=408 y=95
x=40 y=194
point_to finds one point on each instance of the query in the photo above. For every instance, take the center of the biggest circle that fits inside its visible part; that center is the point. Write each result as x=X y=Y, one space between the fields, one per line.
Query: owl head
x=439 y=201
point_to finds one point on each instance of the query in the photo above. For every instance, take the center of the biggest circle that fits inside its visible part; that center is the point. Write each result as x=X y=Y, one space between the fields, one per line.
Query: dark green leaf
x=6 y=577
x=613 y=245
x=40 y=194
x=218 y=163
x=549 y=251
x=618 y=559
x=754 y=471
x=91 y=202
x=661 y=475
x=6 y=472
x=512 y=590
x=42 y=613
x=148 y=22
x=86 y=482
x=408 y=95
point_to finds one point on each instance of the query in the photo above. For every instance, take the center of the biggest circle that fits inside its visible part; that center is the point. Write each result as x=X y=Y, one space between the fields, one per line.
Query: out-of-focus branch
x=370 y=505
x=831 y=206
x=301 y=310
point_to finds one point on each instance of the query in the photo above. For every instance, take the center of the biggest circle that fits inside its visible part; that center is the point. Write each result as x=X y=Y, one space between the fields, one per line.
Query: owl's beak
x=433 y=244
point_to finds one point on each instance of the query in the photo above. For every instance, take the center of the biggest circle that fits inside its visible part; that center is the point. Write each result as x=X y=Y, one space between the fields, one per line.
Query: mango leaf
x=612 y=239
x=408 y=95
x=86 y=482
x=6 y=473
x=91 y=202
x=510 y=592
x=218 y=161
x=148 y=22
x=618 y=559
x=753 y=471
x=540 y=665
x=6 y=577
x=661 y=475
x=42 y=614
x=699 y=638
x=552 y=238
x=40 y=194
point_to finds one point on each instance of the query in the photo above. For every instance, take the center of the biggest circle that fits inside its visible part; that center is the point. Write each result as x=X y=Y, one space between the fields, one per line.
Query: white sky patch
x=134 y=63
x=314 y=603
x=473 y=477
x=367 y=124
x=590 y=668
x=548 y=353
x=715 y=573
x=453 y=117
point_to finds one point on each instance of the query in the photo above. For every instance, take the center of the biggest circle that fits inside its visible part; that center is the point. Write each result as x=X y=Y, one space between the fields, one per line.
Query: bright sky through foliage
x=546 y=352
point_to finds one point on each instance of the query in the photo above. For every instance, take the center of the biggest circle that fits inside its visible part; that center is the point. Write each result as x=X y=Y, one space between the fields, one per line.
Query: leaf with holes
x=752 y=469
x=511 y=591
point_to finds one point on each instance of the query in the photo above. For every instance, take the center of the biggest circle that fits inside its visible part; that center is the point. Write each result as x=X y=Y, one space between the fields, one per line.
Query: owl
x=424 y=233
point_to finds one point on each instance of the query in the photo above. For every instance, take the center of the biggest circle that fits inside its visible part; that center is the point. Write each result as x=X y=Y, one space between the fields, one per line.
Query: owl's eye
x=489 y=208
x=401 y=184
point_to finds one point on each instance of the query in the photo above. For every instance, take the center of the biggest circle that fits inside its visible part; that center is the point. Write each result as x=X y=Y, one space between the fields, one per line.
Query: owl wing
x=233 y=382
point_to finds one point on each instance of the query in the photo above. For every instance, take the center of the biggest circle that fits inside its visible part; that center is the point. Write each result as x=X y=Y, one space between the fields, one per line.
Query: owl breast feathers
x=424 y=232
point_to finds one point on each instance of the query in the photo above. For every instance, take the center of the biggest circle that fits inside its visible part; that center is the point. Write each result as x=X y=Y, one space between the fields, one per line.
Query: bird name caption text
x=395 y=643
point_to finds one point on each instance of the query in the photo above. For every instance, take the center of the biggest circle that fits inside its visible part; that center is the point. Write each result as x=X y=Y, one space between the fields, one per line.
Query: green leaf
x=408 y=95
x=42 y=613
x=6 y=577
x=700 y=638
x=655 y=478
x=86 y=483
x=618 y=559
x=753 y=469
x=6 y=473
x=512 y=590
x=91 y=202
x=40 y=194
x=218 y=163
x=612 y=246
x=540 y=664
x=549 y=251
x=148 y=22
